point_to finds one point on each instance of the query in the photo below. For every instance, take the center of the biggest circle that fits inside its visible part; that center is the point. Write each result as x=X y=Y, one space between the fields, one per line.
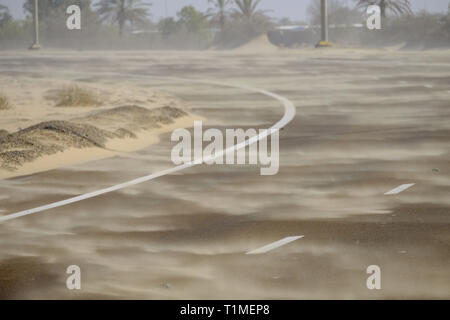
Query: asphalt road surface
x=363 y=180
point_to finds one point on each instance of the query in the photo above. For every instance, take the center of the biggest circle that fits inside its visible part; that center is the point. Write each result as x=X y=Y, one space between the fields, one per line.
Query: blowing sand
x=367 y=121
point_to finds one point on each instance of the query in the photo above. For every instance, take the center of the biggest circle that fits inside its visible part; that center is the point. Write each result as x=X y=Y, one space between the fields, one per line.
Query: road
x=367 y=122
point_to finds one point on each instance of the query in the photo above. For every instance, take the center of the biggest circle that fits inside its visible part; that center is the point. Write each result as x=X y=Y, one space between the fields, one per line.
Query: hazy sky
x=294 y=9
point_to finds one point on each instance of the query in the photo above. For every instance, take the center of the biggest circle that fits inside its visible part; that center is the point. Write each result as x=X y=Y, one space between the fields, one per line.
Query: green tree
x=5 y=17
x=248 y=9
x=45 y=7
x=445 y=21
x=167 y=26
x=219 y=12
x=248 y=14
x=251 y=20
x=398 y=7
x=194 y=21
x=123 y=12
x=246 y=21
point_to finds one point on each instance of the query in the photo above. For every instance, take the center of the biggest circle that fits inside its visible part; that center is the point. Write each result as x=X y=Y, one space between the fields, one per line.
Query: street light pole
x=36 y=45
x=324 y=19
x=323 y=25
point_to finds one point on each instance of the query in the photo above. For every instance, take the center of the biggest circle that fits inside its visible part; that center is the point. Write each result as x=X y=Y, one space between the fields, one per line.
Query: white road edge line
x=399 y=189
x=275 y=245
x=289 y=114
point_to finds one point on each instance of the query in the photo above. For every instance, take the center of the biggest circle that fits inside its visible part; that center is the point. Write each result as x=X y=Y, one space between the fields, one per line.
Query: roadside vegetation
x=400 y=26
x=128 y=24
x=4 y=102
x=74 y=96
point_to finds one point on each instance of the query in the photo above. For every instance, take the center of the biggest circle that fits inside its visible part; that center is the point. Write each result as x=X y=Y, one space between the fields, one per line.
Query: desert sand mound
x=92 y=130
x=260 y=44
x=132 y=118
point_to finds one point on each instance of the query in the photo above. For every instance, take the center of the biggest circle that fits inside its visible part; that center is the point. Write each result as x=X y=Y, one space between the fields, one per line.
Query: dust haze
x=94 y=108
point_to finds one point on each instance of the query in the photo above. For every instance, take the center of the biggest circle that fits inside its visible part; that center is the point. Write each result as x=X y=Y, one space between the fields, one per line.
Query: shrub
x=74 y=96
x=4 y=102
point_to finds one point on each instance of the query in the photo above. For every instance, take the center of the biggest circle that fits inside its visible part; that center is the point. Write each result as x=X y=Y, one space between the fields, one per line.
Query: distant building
x=302 y=35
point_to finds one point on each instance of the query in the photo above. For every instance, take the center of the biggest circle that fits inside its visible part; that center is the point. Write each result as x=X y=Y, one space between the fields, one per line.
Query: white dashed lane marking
x=275 y=245
x=399 y=189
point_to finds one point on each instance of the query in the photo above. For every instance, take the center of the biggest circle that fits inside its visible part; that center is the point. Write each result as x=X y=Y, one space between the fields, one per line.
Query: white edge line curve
x=289 y=114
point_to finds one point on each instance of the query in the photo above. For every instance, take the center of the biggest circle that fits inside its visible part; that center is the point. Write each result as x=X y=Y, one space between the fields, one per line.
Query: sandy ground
x=123 y=119
x=367 y=121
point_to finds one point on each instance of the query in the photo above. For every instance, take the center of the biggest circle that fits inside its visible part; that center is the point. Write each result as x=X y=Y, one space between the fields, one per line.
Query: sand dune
x=37 y=134
x=260 y=44
x=56 y=143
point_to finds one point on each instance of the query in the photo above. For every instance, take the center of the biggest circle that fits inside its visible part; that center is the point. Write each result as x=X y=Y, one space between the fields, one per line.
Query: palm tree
x=247 y=9
x=219 y=12
x=122 y=11
x=398 y=7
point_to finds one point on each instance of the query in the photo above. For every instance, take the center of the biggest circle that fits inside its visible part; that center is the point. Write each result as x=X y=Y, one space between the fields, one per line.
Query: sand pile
x=260 y=44
x=132 y=118
x=54 y=122
x=91 y=130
